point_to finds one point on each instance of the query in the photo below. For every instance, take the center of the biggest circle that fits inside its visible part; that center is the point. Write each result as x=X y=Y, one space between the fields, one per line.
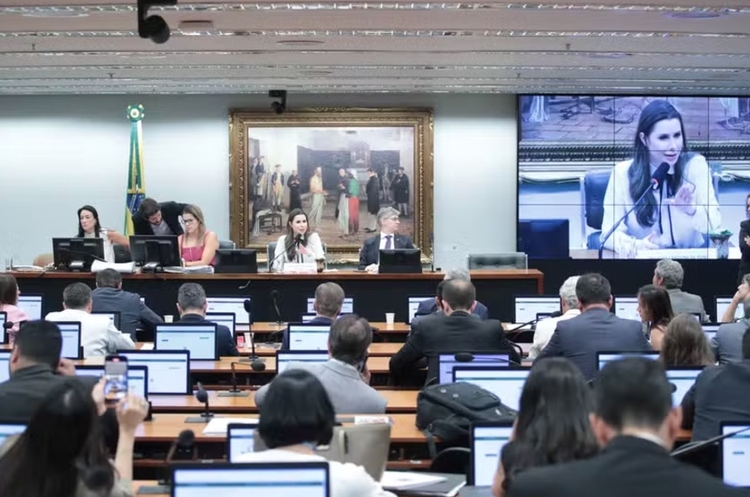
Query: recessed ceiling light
x=695 y=15
x=300 y=43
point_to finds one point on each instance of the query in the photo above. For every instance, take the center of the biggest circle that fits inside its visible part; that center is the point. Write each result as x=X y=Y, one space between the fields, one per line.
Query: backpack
x=447 y=411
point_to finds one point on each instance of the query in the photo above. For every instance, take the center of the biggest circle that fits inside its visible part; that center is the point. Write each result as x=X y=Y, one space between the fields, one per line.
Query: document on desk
x=218 y=426
x=189 y=270
x=399 y=480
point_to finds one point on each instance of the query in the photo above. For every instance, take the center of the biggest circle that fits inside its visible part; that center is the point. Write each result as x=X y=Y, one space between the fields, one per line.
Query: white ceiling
x=681 y=46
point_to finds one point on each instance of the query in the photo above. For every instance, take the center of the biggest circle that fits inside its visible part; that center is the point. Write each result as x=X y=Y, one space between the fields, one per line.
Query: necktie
x=388 y=244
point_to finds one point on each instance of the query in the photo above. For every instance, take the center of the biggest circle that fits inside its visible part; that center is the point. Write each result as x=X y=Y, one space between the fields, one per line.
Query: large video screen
x=630 y=177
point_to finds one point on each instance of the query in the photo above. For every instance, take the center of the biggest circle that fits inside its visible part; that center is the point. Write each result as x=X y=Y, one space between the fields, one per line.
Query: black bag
x=447 y=411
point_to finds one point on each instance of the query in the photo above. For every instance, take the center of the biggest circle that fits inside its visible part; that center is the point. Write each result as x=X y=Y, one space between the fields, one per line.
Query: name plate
x=300 y=268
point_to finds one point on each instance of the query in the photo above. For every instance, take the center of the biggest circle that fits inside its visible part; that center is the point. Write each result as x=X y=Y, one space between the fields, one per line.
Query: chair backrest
x=227 y=244
x=511 y=260
x=122 y=253
x=594 y=187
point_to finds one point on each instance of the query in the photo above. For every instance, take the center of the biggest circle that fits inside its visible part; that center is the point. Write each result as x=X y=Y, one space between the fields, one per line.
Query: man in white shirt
x=388 y=238
x=99 y=336
x=546 y=327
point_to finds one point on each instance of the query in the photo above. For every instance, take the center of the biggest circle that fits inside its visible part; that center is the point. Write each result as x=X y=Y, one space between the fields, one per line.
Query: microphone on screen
x=659 y=175
x=469 y=357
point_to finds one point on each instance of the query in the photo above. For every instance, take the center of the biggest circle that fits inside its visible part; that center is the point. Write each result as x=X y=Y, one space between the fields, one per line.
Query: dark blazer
x=133 y=312
x=596 y=330
x=319 y=320
x=373 y=195
x=224 y=339
x=429 y=306
x=170 y=212
x=744 y=251
x=717 y=395
x=441 y=334
x=627 y=467
x=370 y=251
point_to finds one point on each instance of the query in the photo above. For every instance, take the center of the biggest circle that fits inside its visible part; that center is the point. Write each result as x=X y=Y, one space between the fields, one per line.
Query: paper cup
x=168 y=318
x=389 y=318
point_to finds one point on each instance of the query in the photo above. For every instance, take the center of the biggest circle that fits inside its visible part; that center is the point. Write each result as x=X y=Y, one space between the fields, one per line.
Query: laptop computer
x=235 y=305
x=486 y=440
x=505 y=383
x=304 y=336
x=3 y=331
x=137 y=377
x=199 y=338
x=285 y=357
x=71 y=340
x=735 y=454
x=31 y=305
x=240 y=439
x=447 y=362
x=528 y=307
x=222 y=319
x=627 y=308
x=168 y=370
x=114 y=317
x=681 y=380
x=10 y=429
x=413 y=306
x=721 y=306
x=5 y=365
x=710 y=329
x=603 y=357
x=346 y=308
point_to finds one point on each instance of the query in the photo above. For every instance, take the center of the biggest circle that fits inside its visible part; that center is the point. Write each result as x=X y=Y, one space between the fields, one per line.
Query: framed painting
x=340 y=166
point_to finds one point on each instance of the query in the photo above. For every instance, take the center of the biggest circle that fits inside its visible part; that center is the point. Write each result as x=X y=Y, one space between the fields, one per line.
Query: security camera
x=280 y=106
x=153 y=27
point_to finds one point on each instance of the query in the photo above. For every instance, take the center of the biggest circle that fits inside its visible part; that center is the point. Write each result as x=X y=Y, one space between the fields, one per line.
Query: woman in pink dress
x=9 y=293
x=197 y=246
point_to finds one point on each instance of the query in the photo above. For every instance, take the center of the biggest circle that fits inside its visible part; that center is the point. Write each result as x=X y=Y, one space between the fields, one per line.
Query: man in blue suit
x=191 y=303
x=329 y=299
x=388 y=238
x=431 y=306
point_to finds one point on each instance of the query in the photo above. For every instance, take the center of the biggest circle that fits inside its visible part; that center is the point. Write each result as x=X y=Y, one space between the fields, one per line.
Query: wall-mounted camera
x=153 y=27
x=278 y=106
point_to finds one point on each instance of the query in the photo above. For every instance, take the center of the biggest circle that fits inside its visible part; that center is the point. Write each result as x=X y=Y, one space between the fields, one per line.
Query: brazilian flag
x=136 y=179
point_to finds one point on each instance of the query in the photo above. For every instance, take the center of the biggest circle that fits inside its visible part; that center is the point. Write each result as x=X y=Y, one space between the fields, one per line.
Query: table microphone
x=513 y=332
x=235 y=391
x=206 y=415
x=275 y=301
x=182 y=449
x=696 y=446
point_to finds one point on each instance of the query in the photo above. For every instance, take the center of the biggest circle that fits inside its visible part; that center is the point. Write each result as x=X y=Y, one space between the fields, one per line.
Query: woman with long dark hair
x=299 y=244
x=553 y=424
x=655 y=309
x=681 y=210
x=90 y=227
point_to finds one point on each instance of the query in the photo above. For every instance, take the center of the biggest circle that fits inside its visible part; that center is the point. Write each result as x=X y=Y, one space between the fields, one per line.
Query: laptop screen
x=346 y=308
x=3 y=331
x=222 y=319
x=446 y=363
x=710 y=330
x=5 y=365
x=240 y=440
x=528 y=307
x=486 y=443
x=31 y=305
x=114 y=317
x=735 y=455
x=71 y=340
x=199 y=339
x=266 y=479
x=308 y=337
x=627 y=308
x=681 y=379
x=602 y=358
x=283 y=358
x=10 y=429
x=721 y=307
x=137 y=377
x=507 y=384
x=168 y=371
x=414 y=305
x=232 y=305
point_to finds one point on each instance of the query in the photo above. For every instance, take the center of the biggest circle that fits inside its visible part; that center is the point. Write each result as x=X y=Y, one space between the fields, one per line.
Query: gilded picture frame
x=278 y=162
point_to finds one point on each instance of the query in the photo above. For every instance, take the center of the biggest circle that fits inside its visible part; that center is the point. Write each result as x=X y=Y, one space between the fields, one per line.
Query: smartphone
x=115 y=378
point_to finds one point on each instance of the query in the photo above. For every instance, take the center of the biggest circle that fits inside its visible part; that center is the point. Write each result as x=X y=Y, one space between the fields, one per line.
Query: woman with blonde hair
x=198 y=246
x=684 y=344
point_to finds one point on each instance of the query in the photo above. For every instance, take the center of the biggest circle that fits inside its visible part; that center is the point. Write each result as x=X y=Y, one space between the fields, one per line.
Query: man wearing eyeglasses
x=388 y=238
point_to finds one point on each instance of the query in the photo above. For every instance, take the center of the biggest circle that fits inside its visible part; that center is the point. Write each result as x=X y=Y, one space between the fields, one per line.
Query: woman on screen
x=655 y=309
x=9 y=293
x=677 y=214
x=89 y=227
x=198 y=246
x=299 y=244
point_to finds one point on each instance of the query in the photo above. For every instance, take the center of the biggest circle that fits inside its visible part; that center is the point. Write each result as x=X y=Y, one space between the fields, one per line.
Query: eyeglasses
x=189 y=221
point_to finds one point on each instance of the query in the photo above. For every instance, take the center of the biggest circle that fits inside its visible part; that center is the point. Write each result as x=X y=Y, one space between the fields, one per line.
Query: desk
x=374 y=294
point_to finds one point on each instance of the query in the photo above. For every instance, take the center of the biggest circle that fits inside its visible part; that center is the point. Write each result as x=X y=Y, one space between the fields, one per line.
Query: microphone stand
x=234 y=391
x=619 y=222
x=206 y=415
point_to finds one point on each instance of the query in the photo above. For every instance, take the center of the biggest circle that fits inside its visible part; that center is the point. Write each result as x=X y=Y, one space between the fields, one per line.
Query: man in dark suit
x=191 y=304
x=154 y=218
x=454 y=330
x=719 y=394
x=110 y=297
x=329 y=299
x=635 y=422
x=431 y=306
x=595 y=330
x=388 y=238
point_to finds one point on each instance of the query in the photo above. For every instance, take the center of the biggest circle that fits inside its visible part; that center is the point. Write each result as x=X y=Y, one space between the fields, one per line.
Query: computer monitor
x=77 y=254
x=71 y=340
x=168 y=370
x=222 y=319
x=681 y=380
x=233 y=305
x=529 y=306
x=486 y=440
x=153 y=252
x=735 y=454
x=10 y=429
x=240 y=439
x=603 y=357
x=506 y=383
x=298 y=479
x=413 y=303
x=447 y=362
x=137 y=377
x=199 y=338
x=242 y=261
x=114 y=317
x=394 y=261
x=31 y=305
x=303 y=336
x=710 y=329
x=5 y=365
x=627 y=308
x=3 y=331
x=285 y=357
x=721 y=307
x=346 y=308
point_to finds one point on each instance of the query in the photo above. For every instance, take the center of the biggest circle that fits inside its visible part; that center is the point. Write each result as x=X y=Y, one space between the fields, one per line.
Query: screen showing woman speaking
x=632 y=176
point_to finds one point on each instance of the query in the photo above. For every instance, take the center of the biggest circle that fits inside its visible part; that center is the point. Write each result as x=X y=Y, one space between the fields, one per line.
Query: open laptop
x=5 y=365
x=735 y=454
x=304 y=336
x=168 y=370
x=3 y=331
x=31 y=305
x=603 y=357
x=721 y=307
x=346 y=308
x=114 y=317
x=710 y=329
x=486 y=440
x=413 y=303
x=137 y=377
x=285 y=357
x=222 y=319
x=240 y=439
x=71 y=340
x=234 y=305
x=447 y=362
x=199 y=338
x=506 y=383
x=528 y=307
x=682 y=379
x=627 y=308
x=298 y=479
x=10 y=429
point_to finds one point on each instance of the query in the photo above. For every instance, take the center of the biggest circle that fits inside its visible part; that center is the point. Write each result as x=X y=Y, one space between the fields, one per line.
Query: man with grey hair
x=388 y=238
x=431 y=306
x=329 y=299
x=99 y=336
x=191 y=304
x=669 y=274
x=727 y=343
x=546 y=327
x=345 y=375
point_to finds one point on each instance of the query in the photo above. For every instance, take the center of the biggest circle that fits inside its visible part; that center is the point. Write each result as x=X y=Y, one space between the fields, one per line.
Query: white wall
x=58 y=153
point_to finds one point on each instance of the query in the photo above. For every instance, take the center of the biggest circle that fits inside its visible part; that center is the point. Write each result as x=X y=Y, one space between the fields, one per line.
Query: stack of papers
x=218 y=426
x=189 y=270
x=400 y=480
x=122 y=267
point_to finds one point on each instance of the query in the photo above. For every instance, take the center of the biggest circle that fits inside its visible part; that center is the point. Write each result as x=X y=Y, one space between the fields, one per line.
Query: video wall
x=632 y=176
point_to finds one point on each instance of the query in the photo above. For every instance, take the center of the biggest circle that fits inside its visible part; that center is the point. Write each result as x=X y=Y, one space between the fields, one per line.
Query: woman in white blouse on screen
x=680 y=212
x=299 y=244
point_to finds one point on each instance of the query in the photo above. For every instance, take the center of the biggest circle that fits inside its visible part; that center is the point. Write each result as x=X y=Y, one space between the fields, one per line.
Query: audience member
x=553 y=424
x=741 y=297
x=108 y=296
x=329 y=299
x=198 y=246
x=718 y=395
x=154 y=218
x=9 y=293
x=297 y=416
x=635 y=421
x=455 y=330
x=99 y=336
x=388 y=238
x=345 y=376
x=669 y=274
x=684 y=344
x=191 y=304
x=431 y=306
x=727 y=343
x=546 y=327
x=655 y=310
x=596 y=329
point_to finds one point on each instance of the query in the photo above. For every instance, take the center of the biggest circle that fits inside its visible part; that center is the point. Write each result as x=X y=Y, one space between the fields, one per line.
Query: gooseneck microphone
x=182 y=449
x=275 y=295
x=696 y=446
x=202 y=396
x=656 y=181
x=234 y=391
x=247 y=304
x=517 y=330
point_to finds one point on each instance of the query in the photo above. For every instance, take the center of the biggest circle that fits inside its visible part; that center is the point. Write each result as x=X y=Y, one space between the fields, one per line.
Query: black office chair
x=454 y=460
x=594 y=187
x=122 y=253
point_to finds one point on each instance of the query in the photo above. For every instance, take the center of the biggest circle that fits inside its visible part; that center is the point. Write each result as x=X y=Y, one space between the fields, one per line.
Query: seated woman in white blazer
x=299 y=244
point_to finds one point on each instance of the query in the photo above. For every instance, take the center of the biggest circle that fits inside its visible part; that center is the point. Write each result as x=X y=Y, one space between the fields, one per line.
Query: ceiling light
x=698 y=14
